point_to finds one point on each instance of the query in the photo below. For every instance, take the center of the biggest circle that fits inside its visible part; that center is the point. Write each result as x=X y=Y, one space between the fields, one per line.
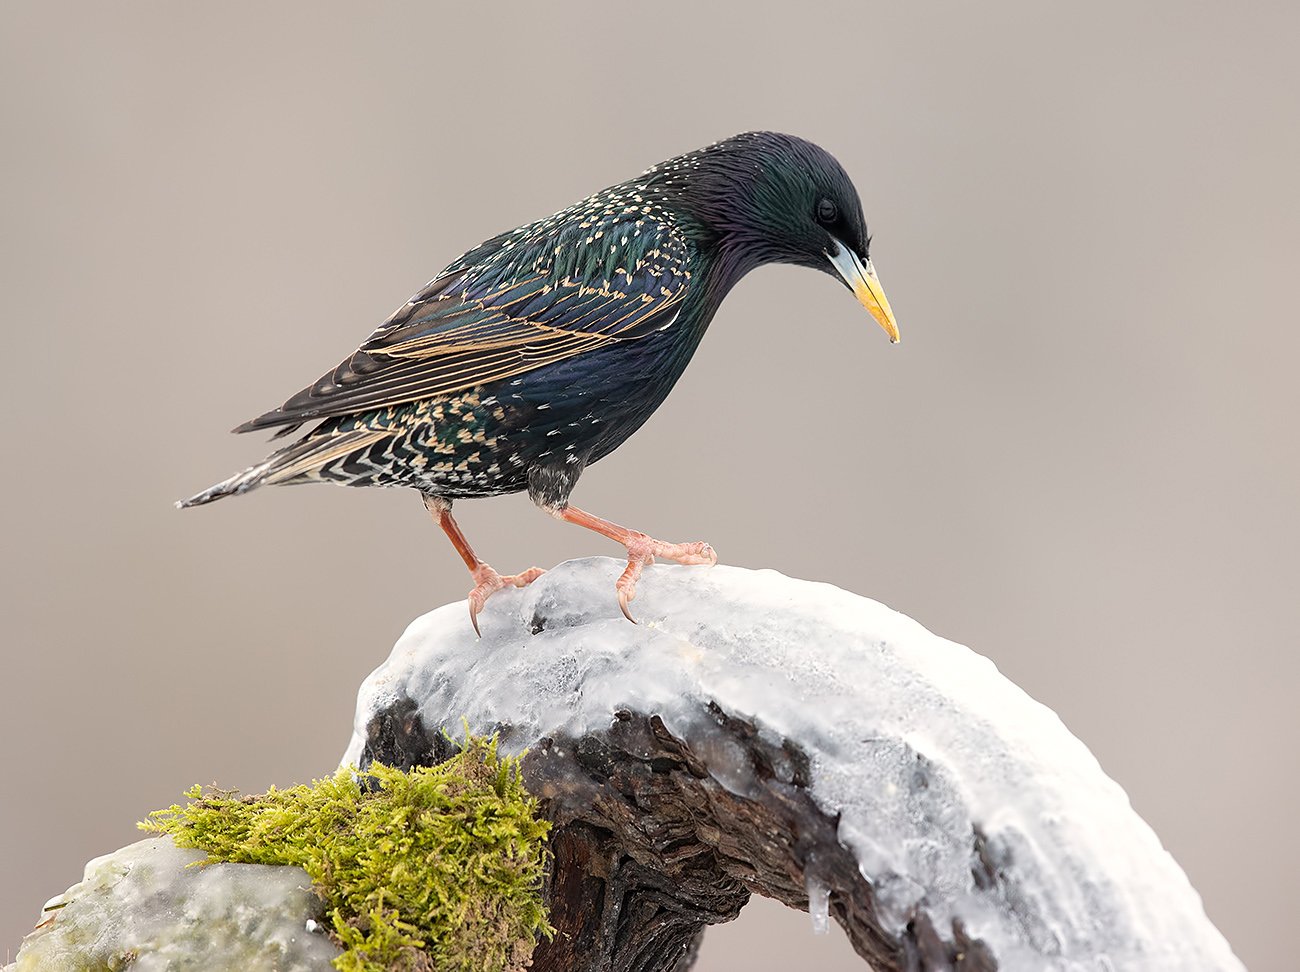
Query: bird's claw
x=626 y=583
x=642 y=552
x=487 y=582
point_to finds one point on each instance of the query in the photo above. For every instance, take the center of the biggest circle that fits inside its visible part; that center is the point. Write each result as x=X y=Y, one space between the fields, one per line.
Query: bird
x=541 y=350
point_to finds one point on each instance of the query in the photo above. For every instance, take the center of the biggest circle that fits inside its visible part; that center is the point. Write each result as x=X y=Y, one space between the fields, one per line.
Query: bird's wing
x=519 y=302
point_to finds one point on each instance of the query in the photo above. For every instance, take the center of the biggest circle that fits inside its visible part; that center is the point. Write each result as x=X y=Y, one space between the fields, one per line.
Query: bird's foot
x=642 y=550
x=487 y=582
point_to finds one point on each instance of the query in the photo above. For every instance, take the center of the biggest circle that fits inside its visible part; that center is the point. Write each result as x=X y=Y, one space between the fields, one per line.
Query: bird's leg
x=641 y=550
x=486 y=580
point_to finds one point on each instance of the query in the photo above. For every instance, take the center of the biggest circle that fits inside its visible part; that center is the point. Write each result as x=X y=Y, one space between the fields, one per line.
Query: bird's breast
x=587 y=406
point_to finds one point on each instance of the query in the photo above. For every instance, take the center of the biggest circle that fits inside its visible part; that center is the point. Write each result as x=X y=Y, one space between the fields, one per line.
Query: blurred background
x=1082 y=460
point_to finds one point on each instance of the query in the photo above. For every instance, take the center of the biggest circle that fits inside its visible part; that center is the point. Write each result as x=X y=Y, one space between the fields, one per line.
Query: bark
x=650 y=848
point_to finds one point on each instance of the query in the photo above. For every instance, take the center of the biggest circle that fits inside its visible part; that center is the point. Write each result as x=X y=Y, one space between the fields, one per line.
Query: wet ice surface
x=819 y=903
x=143 y=908
x=917 y=742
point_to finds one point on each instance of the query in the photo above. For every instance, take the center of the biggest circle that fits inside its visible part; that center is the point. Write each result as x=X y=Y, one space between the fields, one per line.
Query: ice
x=143 y=906
x=819 y=904
x=920 y=745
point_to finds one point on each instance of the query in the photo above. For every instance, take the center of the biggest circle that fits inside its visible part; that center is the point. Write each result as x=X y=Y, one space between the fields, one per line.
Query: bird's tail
x=294 y=463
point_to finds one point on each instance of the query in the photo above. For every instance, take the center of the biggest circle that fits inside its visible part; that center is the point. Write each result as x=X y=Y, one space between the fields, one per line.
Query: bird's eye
x=826 y=212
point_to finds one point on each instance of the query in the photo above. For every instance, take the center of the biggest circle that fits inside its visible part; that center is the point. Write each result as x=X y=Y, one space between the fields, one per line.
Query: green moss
x=439 y=868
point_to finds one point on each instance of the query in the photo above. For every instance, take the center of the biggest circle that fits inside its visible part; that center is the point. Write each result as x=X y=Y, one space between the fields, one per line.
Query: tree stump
x=649 y=848
x=757 y=734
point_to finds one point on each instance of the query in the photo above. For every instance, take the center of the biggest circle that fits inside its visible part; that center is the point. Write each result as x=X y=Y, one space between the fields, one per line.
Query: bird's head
x=772 y=198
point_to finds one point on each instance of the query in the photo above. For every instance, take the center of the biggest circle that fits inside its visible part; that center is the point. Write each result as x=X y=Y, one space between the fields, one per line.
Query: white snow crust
x=914 y=740
x=144 y=908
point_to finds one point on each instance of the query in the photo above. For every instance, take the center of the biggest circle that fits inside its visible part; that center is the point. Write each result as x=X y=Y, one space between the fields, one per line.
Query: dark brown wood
x=649 y=848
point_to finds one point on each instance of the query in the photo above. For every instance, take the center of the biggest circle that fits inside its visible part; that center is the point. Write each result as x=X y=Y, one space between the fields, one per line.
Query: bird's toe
x=626 y=583
x=698 y=553
x=487 y=582
x=526 y=577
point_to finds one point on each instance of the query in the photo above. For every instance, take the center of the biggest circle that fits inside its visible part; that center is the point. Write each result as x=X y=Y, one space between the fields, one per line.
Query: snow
x=917 y=742
x=143 y=906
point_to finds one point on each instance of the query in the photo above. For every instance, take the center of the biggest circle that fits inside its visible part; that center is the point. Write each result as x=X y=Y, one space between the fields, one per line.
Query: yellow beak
x=866 y=287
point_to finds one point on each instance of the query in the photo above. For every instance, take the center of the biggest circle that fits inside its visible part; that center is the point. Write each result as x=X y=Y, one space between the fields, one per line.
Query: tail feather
x=242 y=482
x=294 y=462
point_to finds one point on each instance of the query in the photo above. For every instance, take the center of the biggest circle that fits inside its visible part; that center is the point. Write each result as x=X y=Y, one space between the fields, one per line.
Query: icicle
x=819 y=900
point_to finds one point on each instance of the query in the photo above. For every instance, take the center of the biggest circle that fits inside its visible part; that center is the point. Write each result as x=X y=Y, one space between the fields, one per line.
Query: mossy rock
x=439 y=868
x=144 y=908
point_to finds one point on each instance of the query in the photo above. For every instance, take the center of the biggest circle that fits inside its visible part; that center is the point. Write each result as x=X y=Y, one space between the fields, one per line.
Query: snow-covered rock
x=937 y=766
x=145 y=908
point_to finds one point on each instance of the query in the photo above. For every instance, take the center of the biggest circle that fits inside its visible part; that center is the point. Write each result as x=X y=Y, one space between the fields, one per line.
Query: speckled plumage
x=542 y=349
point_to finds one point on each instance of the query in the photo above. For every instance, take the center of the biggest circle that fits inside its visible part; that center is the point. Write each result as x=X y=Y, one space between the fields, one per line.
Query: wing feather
x=525 y=303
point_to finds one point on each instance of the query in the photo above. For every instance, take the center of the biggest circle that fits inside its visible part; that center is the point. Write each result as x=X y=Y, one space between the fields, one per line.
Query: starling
x=542 y=349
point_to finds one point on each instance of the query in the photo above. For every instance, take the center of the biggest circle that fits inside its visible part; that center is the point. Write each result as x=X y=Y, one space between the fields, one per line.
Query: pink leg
x=641 y=550
x=486 y=580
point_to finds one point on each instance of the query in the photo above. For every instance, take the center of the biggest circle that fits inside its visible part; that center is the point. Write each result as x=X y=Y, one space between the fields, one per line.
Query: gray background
x=1082 y=459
